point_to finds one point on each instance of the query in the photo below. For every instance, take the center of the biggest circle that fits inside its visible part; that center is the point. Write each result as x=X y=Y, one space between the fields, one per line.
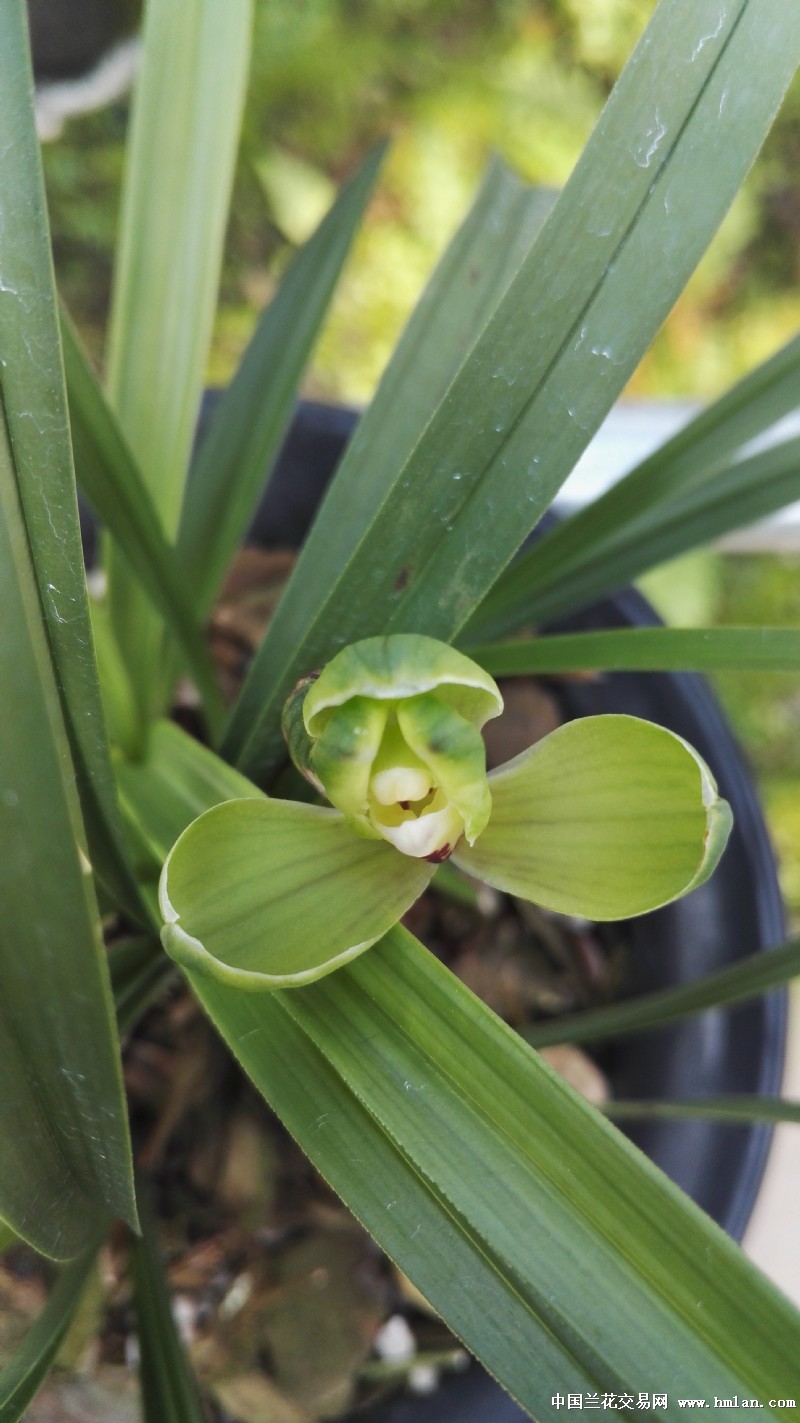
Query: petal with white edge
x=272 y=894
x=398 y=666
x=608 y=817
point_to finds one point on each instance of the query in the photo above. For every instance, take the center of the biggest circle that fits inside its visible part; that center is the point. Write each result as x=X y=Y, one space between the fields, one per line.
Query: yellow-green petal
x=398 y=666
x=272 y=894
x=608 y=817
x=455 y=752
x=342 y=757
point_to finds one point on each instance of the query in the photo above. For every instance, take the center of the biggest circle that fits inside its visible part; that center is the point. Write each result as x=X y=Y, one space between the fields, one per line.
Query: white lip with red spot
x=423 y=828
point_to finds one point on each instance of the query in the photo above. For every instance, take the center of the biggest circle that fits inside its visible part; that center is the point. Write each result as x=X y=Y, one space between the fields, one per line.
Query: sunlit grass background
x=450 y=84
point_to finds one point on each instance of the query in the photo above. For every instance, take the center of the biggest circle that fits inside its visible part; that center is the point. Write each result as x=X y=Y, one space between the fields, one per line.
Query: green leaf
x=455 y=754
x=139 y=969
x=227 y=476
x=690 y=457
x=119 y=706
x=448 y=881
x=24 y=1374
x=63 y=1134
x=735 y=1109
x=456 y=304
x=730 y=495
x=110 y=480
x=746 y=979
x=512 y=1206
x=185 y=128
x=646 y=650
x=268 y=894
x=607 y=817
x=33 y=381
x=8 y=1237
x=169 y=1389
x=181 y=159
x=655 y=180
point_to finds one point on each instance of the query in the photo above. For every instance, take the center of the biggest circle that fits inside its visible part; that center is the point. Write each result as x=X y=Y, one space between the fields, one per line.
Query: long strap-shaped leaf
x=64 y=1151
x=27 y=1369
x=35 y=410
x=227 y=477
x=138 y=973
x=657 y=649
x=734 y=1109
x=109 y=478
x=750 y=977
x=661 y=168
x=694 y=455
x=181 y=159
x=459 y=299
x=185 y=128
x=8 y=1237
x=169 y=1389
x=558 y=1252
x=728 y=496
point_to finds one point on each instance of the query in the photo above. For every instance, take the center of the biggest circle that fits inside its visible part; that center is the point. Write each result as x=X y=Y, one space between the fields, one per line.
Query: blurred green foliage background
x=451 y=83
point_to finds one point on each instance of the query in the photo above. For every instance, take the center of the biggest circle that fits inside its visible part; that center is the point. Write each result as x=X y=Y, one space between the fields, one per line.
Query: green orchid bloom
x=607 y=817
x=390 y=733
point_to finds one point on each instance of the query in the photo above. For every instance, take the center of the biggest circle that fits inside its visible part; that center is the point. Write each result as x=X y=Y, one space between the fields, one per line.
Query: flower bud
x=390 y=732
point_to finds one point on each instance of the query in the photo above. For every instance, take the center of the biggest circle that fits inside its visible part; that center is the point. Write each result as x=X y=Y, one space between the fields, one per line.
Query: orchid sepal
x=608 y=817
x=265 y=894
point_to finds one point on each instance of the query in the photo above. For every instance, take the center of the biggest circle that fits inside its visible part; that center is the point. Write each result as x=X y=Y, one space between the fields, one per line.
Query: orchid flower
x=607 y=817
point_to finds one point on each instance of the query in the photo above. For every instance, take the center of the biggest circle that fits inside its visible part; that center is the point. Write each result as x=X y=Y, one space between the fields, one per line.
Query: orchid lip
x=397 y=784
x=419 y=834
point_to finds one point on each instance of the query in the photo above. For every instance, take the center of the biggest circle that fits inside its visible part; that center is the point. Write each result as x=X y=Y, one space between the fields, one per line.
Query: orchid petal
x=402 y=665
x=271 y=894
x=455 y=752
x=607 y=817
x=343 y=756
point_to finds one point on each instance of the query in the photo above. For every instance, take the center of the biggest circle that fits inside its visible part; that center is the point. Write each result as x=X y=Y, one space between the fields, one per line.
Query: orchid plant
x=400 y=1086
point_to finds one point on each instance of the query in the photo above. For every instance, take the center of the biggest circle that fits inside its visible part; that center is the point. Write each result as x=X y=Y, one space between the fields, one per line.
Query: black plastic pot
x=738 y=911
x=69 y=37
